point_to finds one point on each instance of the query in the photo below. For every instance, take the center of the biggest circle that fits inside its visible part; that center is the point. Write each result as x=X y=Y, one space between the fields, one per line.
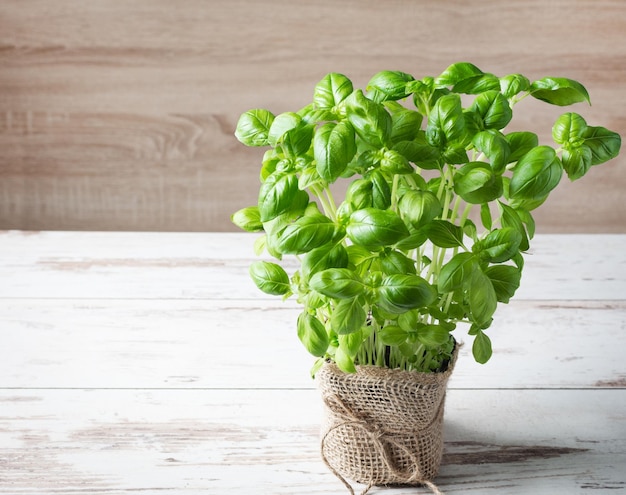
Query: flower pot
x=383 y=426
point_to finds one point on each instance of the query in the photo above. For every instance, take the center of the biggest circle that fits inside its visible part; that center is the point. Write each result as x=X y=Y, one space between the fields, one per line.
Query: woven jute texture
x=383 y=426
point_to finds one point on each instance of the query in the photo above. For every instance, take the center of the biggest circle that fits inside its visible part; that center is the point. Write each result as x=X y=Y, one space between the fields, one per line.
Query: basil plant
x=388 y=271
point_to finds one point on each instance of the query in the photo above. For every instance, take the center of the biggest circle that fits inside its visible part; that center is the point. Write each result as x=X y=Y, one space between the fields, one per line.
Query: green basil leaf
x=248 y=219
x=367 y=160
x=485 y=216
x=312 y=209
x=495 y=147
x=305 y=234
x=518 y=259
x=339 y=283
x=577 y=161
x=521 y=143
x=420 y=152
x=528 y=204
x=536 y=174
x=409 y=348
x=473 y=122
x=477 y=183
x=273 y=228
x=373 y=228
x=499 y=245
x=359 y=193
x=322 y=258
x=389 y=85
x=477 y=84
x=457 y=272
x=604 y=144
x=413 y=241
x=455 y=154
x=417 y=182
x=281 y=124
x=392 y=335
x=395 y=163
x=253 y=127
x=333 y=148
x=297 y=141
x=457 y=72
x=280 y=194
x=344 y=210
x=528 y=220
x=569 y=128
x=313 y=115
x=312 y=334
x=344 y=361
x=482 y=299
x=332 y=90
x=396 y=262
x=433 y=185
x=405 y=125
x=351 y=343
x=505 y=279
x=381 y=191
x=513 y=84
x=470 y=230
x=559 y=91
x=481 y=348
x=445 y=234
x=314 y=300
x=309 y=177
x=270 y=278
x=260 y=243
x=348 y=316
x=370 y=119
x=419 y=208
x=510 y=218
x=394 y=107
x=493 y=109
x=446 y=122
x=433 y=335
x=270 y=160
x=398 y=293
x=409 y=320
x=358 y=255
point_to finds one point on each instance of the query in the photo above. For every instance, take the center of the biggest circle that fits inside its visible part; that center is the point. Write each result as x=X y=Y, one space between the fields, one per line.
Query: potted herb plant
x=388 y=271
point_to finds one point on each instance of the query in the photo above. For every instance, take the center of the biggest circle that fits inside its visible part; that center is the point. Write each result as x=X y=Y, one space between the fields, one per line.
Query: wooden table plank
x=215 y=266
x=149 y=363
x=241 y=442
x=241 y=344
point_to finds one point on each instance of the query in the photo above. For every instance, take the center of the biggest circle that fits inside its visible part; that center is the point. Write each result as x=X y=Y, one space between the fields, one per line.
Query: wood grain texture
x=191 y=344
x=105 y=306
x=115 y=442
x=214 y=266
x=139 y=363
x=119 y=115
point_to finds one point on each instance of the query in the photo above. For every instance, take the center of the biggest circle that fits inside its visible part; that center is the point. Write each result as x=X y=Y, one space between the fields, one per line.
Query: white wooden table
x=149 y=363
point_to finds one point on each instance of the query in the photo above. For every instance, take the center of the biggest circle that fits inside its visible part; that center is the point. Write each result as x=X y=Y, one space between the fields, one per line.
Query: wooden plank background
x=118 y=115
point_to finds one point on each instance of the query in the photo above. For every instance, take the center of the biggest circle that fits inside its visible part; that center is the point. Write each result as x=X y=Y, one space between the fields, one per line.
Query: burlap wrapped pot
x=383 y=426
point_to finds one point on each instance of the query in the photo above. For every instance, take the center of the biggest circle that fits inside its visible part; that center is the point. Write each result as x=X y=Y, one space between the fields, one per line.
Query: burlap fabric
x=383 y=426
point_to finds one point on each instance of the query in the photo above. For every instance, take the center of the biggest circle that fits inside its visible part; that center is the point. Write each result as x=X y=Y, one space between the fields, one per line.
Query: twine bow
x=380 y=438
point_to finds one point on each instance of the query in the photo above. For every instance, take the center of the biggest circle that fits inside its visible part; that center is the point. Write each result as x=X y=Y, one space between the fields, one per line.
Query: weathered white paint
x=215 y=266
x=243 y=343
x=143 y=363
x=266 y=441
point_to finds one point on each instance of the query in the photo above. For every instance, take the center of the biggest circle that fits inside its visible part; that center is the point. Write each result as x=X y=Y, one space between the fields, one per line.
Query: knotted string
x=380 y=438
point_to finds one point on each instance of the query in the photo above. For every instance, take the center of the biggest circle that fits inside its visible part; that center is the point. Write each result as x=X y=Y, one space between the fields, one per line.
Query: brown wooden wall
x=119 y=114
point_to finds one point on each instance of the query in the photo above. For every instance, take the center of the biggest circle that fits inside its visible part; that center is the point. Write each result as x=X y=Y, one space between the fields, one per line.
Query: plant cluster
x=386 y=274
